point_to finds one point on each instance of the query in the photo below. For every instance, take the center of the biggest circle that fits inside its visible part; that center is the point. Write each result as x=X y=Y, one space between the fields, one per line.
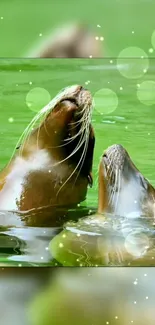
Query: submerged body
x=52 y=167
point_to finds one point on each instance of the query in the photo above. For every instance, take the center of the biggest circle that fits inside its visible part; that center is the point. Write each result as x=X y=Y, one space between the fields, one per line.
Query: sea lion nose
x=115 y=148
x=81 y=88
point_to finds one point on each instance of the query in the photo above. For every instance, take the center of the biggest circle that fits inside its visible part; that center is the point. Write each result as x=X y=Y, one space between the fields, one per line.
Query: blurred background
x=112 y=24
x=69 y=296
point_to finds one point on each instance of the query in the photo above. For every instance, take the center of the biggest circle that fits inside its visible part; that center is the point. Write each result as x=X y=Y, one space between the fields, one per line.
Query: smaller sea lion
x=122 y=232
x=122 y=188
x=73 y=41
x=52 y=167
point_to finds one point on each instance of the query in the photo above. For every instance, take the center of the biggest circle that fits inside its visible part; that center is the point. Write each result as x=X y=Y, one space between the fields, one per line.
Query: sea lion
x=122 y=231
x=52 y=166
x=71 y=41
x=122 y=188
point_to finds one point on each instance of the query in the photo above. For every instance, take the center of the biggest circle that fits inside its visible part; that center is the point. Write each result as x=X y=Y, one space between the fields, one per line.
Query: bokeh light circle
x=105 y=101
x=146 y=92
x=37 y=98
x=132 y=62
x=137 y=243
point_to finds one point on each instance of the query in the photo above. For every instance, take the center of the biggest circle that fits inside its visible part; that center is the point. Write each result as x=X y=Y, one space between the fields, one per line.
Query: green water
x=130 y=124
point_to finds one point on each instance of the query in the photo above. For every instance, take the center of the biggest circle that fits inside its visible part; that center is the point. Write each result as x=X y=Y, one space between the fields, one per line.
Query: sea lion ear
x=90 y=179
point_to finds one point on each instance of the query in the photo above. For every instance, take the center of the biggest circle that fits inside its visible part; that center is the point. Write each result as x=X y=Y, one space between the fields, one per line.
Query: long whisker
x=118 y=189
x=84 y=139
x=73 y=170
x=114 y=189
x=63 y=94
x=112 y=194
x=84 y=153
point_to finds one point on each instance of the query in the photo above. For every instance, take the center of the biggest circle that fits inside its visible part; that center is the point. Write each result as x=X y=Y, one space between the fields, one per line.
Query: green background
x=23 y=21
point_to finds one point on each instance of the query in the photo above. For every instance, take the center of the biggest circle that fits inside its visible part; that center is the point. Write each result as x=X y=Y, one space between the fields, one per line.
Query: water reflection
x=106 y=240
x=29 y=245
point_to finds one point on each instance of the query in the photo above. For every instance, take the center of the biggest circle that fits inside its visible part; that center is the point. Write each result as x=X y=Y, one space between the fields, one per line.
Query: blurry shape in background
x=135 y=68
x=146 y=92
x=67 y=296
x=76 y=40
x=105 y=101
x=96 y=296
x=37 y=98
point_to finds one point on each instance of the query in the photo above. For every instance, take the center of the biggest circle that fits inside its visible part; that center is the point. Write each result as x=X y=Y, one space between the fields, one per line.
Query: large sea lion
x=52 y=166
x=122 y=231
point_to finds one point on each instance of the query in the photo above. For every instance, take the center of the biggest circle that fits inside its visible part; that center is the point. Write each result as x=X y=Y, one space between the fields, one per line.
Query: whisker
x=118 y=189
x=84 y=153
x=73 y=170
x=85 y=138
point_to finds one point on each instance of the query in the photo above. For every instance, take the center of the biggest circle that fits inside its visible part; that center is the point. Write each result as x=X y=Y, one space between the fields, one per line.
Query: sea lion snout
x=77 y=95
x=84 y=98
x=114 y=156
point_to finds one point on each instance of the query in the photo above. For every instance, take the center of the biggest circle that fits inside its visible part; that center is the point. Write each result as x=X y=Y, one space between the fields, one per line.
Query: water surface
x=130 y=124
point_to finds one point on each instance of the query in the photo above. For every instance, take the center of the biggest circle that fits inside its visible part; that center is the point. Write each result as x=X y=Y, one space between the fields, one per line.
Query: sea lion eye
x=90 y=180
x=143 y=182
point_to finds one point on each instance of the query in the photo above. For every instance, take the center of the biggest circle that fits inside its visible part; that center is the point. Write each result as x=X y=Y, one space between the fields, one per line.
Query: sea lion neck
x=102 y=191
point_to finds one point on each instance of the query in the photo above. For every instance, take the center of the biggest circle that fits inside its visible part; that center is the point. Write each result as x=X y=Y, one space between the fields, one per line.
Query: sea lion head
x=122 y=188
x=60 y=150
x=71 y=116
